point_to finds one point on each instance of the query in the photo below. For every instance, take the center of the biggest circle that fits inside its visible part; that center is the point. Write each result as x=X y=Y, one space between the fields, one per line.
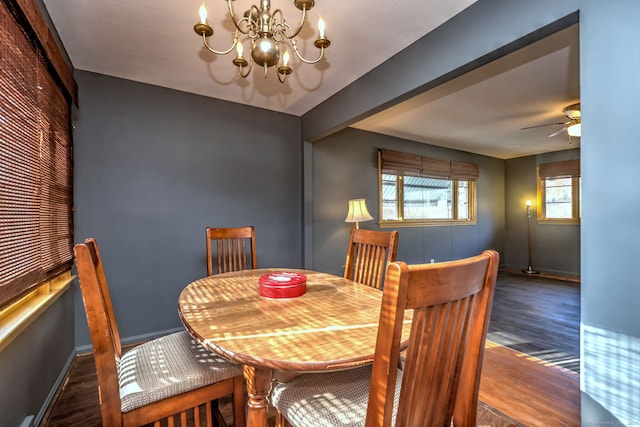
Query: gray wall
x=610 y=226
x=154 y=167
x=345 y=167
x=33 y=365
x=555 y=248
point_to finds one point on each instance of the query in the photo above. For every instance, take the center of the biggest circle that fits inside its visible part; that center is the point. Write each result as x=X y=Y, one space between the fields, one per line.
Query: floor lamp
x=529 y=270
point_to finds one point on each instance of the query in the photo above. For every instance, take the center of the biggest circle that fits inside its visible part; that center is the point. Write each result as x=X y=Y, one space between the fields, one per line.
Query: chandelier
x=267 y=34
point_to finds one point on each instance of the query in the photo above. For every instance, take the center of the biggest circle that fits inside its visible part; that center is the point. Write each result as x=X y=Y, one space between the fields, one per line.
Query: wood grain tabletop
x=332 y=326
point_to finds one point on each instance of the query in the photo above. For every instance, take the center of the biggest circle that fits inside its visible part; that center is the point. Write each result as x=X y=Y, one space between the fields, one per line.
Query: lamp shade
x=358 y=211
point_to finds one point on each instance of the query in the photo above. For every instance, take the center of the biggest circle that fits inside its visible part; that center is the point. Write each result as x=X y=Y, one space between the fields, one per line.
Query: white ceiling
x=154 y=42
x=483 y=111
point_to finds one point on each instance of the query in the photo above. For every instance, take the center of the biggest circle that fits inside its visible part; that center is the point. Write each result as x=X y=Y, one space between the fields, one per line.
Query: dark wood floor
x=518 y=387
x=539 y=317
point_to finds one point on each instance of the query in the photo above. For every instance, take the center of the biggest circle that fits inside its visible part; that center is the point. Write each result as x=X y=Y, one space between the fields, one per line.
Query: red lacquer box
x=282 y=284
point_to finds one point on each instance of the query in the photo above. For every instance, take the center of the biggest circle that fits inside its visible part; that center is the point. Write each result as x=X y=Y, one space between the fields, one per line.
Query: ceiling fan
x=573 y=126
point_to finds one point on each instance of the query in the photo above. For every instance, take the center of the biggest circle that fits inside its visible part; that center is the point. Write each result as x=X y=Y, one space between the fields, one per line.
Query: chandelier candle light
x=267 y=34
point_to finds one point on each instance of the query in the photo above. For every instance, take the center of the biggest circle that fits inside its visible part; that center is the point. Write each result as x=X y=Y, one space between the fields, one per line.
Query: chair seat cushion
x=166 y=367
x=328 y=399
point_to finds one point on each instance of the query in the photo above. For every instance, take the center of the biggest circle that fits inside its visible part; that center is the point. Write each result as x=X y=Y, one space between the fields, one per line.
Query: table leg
x=258 y=381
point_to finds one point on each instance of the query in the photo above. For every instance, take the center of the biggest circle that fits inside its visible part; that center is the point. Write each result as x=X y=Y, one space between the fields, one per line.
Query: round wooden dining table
x=332 y=326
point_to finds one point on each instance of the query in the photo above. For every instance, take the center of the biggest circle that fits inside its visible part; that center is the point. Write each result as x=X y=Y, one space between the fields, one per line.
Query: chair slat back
x=441 y=376
x=102 y=327
x=368 y=254
x=234 y=249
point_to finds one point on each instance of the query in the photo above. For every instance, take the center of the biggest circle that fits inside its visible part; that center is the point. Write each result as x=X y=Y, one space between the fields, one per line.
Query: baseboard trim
x=28 y=421
x=150 y=336
x=53 y=393
x=135 y=339
x=542 y=274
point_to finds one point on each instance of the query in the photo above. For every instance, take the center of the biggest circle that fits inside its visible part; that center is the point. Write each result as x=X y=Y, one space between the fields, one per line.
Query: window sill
x=425 y=223
x=18 y=316
x=559 y=221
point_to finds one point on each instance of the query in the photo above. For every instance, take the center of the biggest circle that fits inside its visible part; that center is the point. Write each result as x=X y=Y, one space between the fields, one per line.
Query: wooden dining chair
x=235 y=249
x=451 y=303
x=368 y=254
x=170 y=379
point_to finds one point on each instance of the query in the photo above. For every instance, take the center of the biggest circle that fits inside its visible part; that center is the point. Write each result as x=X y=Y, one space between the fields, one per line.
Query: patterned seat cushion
x=168 y=366
x=328 y=399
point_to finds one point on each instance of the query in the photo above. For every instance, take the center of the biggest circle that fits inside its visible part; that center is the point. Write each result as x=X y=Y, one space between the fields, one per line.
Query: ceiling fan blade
x=548 y=124
x=562 y=129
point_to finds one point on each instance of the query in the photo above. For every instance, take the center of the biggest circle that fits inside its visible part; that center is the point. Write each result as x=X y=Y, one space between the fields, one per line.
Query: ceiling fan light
x=575 y=130
x=572 y=111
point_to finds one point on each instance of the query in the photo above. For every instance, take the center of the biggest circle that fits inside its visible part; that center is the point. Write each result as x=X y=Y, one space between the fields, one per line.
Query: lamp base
x=530 y=271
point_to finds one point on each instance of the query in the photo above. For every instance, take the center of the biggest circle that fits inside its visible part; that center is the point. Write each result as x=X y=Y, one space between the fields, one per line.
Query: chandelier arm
x=287 y=27
x=244 y=75
x=235 y=21
x=306 y=61
x=251 y=31
x=253 y=26
x=304 y=15
x=206 y=44
x=275 y=25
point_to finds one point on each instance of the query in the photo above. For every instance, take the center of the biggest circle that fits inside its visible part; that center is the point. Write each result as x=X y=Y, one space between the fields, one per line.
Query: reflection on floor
x=539 y=317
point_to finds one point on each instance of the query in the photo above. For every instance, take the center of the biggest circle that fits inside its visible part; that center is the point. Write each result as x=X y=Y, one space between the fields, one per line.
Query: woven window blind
x=566 y=169
x=35 y=162
x=399 y=163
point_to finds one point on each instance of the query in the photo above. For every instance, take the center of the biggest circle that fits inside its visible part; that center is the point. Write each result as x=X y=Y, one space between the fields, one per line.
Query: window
x=559 y=191
x=417 y=190
x=35 y=154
